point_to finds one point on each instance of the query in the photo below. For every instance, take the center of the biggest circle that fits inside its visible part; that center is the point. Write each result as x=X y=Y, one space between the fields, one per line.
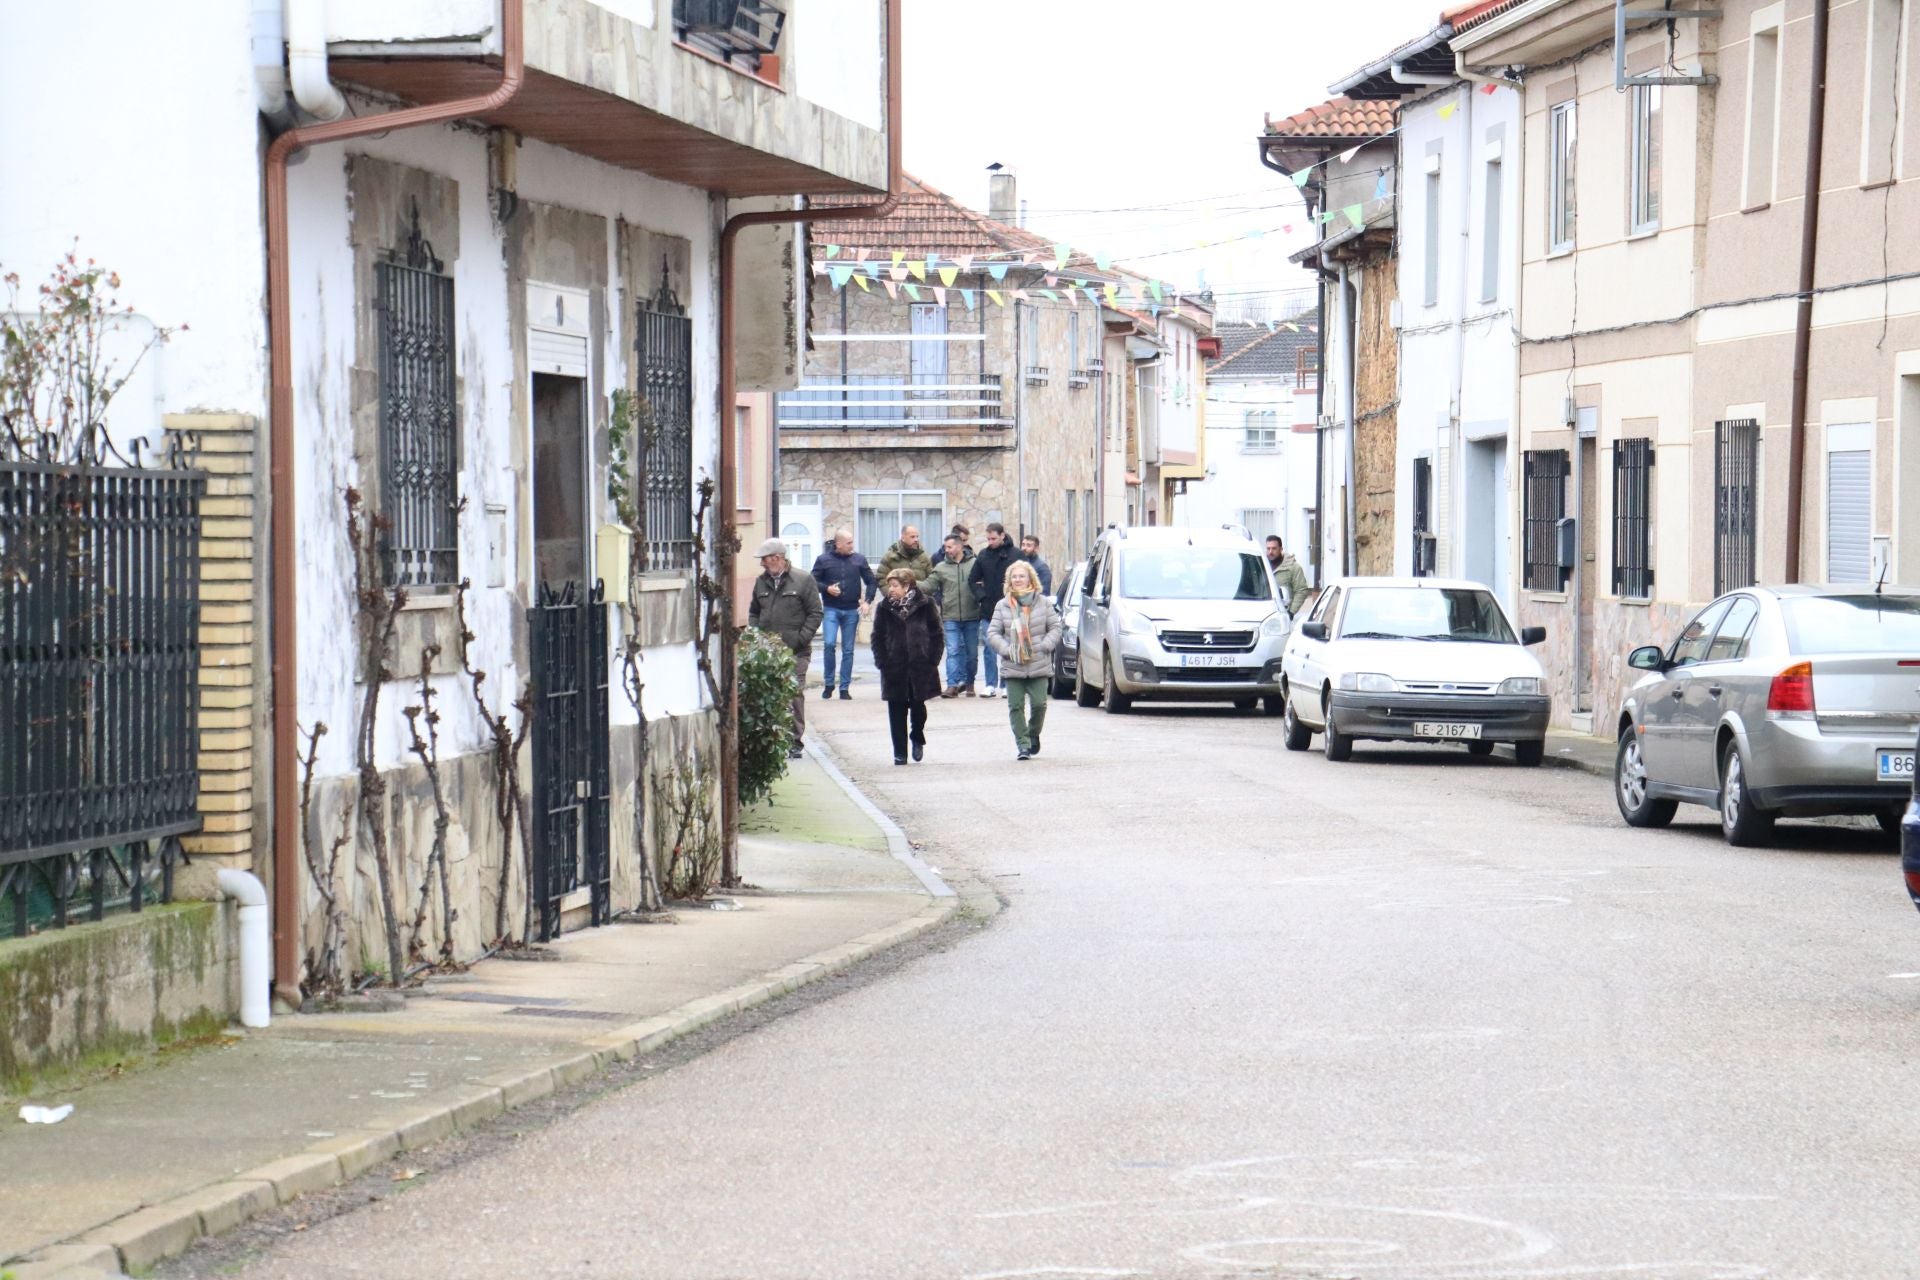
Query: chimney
x=1003 y=204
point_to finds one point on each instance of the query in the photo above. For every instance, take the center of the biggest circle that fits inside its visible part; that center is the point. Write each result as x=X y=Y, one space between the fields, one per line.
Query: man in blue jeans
x=959 y=614
x=847 y=587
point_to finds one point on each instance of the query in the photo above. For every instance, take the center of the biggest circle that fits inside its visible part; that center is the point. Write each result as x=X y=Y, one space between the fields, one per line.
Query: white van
x=1187 y=615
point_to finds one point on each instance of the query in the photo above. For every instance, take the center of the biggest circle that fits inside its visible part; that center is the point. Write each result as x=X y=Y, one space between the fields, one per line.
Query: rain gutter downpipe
x=726 y=548
x=283 y=611
x=313 y=88
x=1350 y=324
x=1803 y=308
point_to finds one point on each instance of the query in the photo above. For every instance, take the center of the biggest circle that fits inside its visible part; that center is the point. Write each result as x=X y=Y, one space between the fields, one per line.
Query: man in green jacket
x=1288 y=576
x=961 y=615
x=908 y=554
x=787 y=604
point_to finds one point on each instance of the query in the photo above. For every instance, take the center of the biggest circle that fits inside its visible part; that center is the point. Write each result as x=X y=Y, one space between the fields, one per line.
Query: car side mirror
x=1314 y=630
x=1533 y=635
x=1647 y=657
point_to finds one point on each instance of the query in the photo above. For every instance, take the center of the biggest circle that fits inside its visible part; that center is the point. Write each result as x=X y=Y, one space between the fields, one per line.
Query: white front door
x=801 y=517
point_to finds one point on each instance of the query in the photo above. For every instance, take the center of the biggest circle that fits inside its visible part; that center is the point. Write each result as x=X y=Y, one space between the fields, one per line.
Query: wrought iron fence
x=572 y=777
x=99 y=671
x=892 y=400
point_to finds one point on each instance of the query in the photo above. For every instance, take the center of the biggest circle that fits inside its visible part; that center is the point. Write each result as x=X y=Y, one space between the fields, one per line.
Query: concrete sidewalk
x=1581 y=751
x=196 y=1142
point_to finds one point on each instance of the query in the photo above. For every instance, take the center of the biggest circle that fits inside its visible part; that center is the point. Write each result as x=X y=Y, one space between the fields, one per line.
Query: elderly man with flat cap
x=787 y=604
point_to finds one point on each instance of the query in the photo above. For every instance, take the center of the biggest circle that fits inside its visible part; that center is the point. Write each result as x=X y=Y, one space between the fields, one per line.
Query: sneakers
x=845 y=696
x=991 y=691
x=1034 y=749
x=1024 y=754
x=796 y=752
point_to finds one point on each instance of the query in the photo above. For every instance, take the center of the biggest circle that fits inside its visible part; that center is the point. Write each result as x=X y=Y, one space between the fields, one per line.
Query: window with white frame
x=1490 y=228
x=1763 y=106
x=1262 y=431
x=1850 y=502
x=1259 y=522
x=1881 y=97
x=880 y=515
x=1430 y=213
x=1643 y=119
x=1562 y=135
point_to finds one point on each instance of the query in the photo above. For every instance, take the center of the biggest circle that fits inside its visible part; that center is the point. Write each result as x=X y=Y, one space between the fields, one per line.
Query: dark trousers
x=899 y=715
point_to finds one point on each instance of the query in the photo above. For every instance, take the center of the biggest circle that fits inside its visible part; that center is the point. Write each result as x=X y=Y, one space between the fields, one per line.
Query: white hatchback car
x=1414 y=659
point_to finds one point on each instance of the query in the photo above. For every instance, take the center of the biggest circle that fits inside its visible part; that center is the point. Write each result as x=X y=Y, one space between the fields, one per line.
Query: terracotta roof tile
x=1265 y=355
x=929 y=221
x=1467 y=16
x=1337 y=118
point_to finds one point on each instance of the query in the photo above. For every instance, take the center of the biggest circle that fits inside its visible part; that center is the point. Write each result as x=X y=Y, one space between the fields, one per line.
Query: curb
x=154 y=1233
x=1578 y=765
x=897 y=842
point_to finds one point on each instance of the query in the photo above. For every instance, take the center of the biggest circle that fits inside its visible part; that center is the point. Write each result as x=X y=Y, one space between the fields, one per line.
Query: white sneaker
x=991 y=691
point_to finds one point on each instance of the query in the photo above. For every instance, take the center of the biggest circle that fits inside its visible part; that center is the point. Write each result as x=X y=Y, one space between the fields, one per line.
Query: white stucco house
x=464 y=299
x=1458 y=141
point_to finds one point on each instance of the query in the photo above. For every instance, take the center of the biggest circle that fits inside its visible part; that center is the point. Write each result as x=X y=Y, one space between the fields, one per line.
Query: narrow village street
x=1248 y=1012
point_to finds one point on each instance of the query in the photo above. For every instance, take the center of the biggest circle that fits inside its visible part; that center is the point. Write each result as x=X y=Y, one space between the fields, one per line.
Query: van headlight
x=1275 y=626
x=1368 y=682
x=1522 y=686
x=1133 y=624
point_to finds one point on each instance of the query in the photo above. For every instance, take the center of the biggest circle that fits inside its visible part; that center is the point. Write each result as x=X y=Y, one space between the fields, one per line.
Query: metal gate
x=1736 y=465
x=572 y=776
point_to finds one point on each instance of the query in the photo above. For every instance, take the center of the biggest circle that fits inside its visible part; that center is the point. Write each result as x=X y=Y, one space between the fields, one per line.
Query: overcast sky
x=1136 y=103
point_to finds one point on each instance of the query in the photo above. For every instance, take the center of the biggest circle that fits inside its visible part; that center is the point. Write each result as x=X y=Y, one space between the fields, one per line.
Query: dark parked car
x=1066 y=655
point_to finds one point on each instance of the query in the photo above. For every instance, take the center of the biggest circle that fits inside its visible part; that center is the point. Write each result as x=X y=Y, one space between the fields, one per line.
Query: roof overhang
x=1399 y=74
x=611 y=128
x=1538 y=31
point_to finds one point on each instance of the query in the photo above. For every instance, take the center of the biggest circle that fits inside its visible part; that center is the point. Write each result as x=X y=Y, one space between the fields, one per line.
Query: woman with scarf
x=907 y=643
x=1025 y=631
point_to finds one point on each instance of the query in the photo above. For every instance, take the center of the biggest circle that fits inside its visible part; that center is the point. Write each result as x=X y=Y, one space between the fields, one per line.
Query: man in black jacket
x=847 y=586
x=989 y=582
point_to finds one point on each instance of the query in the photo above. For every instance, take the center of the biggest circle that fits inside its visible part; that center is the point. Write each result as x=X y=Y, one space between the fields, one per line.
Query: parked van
x=1188 y=615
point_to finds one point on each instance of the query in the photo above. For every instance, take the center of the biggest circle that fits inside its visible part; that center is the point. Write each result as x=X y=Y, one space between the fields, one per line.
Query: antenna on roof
x=1879 y=588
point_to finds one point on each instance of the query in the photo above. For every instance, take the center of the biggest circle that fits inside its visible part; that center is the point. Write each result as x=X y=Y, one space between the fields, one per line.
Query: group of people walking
x=923 y=611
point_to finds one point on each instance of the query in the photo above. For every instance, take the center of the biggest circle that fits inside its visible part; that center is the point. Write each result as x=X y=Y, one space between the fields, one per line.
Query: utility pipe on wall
x=313 y=88
x=1803 y=308
x=285 y=602
x=256 y=975
x=1350 y=323
x=726 y=549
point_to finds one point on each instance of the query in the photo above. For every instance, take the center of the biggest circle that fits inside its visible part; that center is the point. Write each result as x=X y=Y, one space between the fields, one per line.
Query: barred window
x=1546 y=505
x=419 y=440
x=1736 y=468
x=664 y=374
x=1632 y=518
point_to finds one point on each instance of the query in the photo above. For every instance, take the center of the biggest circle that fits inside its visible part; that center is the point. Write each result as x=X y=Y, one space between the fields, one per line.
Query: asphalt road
x=1249 y=1014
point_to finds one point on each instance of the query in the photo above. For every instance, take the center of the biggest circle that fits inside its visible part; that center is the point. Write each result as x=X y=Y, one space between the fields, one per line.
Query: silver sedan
x=1776 y=702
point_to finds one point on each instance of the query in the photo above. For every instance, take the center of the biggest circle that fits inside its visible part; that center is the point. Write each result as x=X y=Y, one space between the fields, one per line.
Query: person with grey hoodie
x=1026 y=629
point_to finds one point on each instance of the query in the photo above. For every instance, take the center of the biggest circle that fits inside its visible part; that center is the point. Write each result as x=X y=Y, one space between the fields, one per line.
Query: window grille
x=1632 y=518
x=1424 y=542
x=664 y=376
x=419 y=440
x=1736 y=468
x=1546 y=504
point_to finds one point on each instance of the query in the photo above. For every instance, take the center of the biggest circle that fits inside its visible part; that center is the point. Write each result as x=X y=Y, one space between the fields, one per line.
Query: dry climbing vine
x=426 y=748
x=503 y=753
x=379 y=610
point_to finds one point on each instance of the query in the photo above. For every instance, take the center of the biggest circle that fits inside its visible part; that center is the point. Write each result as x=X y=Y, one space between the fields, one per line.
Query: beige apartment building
x=1659 y=266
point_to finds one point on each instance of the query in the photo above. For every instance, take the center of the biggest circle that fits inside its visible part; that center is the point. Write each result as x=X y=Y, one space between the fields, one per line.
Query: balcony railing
x=893 y=402
x=744 y=29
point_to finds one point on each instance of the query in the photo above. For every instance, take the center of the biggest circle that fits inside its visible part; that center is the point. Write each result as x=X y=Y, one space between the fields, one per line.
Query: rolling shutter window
x=1849 y=523
x=1443 y=510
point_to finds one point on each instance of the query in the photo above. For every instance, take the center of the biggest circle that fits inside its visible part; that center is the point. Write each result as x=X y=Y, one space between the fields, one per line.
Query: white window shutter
x=1443 y=510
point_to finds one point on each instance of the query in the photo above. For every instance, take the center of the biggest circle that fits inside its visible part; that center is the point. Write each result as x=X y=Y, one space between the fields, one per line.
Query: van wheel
x=1273 y=704
x=1744 y=823
x=1479 y=748
x=1336 y=744
x=1084 y=694
x=1245 y=704
x=1118 y=703
x=1297 y=736
x=1889 y=822
x=1528 y=755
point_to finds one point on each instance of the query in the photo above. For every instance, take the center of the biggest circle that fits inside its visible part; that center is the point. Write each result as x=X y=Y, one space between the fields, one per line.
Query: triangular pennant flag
x=1352 y=214
x=1112 y=291
x=1302 y=176
x=963 y=263
x=1155 y=287
x=918 y=270
x=1287 y=230
x=833 y=251
x=1091 y=295
x=939 y=295
x=899 y=256
x=1050 y=295
x=1488 y=88
x=840 y=273
x=1346 y=157
x=948 y=275
x=1446 y=112
x=873 y=269
x=1102 y=260
x=1052 y=280
x=1380 y=188
x=1018 y=295
x=896 y=273
x=1155 y=310
x=1060 y=255
x=1269 y=326
x=1079 y=284
x=998 y=270
x=913 y=290
x=1291 y=327
x=967 y=296
x=1256 y=235
x=893 y=290
x=862 y=282
x=998 y=301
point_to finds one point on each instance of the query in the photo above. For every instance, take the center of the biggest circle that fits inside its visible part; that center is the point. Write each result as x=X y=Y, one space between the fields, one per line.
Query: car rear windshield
x=1424 y=613
x=1193 y=573
x=1865 y=623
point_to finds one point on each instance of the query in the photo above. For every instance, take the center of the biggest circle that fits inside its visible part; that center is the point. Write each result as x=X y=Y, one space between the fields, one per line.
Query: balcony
x=867 y=410
x=1037 y=375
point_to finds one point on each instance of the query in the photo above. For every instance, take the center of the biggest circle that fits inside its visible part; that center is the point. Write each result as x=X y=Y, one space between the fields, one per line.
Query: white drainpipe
x=256 y=956
x=270 y=63
x=313 y=89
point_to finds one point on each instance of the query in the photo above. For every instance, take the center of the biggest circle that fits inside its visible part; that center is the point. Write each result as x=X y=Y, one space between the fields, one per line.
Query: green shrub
x=764 y=671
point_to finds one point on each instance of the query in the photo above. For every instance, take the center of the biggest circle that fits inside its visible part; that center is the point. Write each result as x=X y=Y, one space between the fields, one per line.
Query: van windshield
x=1193 y=573
x=1424 y=613
x=1864 y=623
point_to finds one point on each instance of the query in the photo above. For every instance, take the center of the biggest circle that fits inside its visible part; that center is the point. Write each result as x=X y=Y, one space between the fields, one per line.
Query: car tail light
x=1913 y=886
x=1792 y=691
